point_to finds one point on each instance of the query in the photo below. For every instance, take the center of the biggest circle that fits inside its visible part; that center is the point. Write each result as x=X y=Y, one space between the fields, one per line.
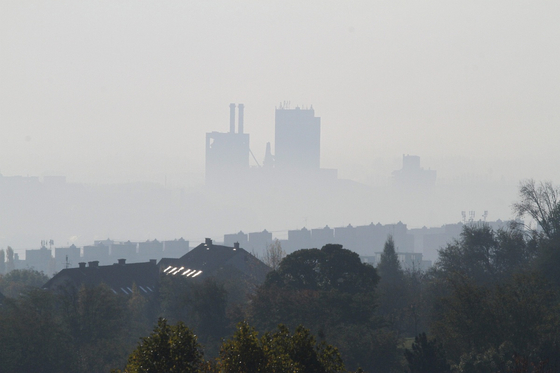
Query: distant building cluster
x=365 y=240
x=297 y=152
x=49 y=260
x=416 y=248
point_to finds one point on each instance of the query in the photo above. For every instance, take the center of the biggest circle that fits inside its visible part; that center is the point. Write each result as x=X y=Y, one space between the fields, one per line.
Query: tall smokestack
x=240 y=124
x=232 y=118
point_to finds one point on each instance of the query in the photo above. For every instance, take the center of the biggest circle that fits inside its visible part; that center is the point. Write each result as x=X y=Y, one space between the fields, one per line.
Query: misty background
x=117 y=96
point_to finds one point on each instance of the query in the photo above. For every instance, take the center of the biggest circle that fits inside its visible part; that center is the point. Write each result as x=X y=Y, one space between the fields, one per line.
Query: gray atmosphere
x=420 y=110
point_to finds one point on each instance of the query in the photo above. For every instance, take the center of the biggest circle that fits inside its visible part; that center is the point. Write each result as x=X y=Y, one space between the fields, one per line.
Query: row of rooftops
x=205 y=260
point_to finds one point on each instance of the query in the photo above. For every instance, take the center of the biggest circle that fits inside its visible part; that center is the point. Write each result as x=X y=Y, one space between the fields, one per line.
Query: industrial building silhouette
x=297 y=149
x=297 y=138
x=227 y=154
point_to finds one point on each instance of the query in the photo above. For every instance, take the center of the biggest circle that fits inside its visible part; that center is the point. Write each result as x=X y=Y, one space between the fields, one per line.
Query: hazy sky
x=111 y=91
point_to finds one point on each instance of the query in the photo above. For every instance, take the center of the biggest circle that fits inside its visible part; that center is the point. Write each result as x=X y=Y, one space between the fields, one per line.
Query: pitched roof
x=119 y=277
x=209 y=259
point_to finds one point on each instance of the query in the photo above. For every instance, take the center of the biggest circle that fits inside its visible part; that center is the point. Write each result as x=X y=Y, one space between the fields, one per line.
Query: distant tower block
x=232 y=118
x=412 y=176
x=241 y=107
x=297 y=139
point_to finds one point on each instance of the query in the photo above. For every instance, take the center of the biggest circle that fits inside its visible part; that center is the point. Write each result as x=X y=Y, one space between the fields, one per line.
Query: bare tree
x=542 y=203
x=2 y=261
x=274 y=255
x=10 y=260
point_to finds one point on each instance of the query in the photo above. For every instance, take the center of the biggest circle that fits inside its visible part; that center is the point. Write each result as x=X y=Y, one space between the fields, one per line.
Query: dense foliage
x=169 y=349
x=332 y=292
x=19 y=281
x=491 y=303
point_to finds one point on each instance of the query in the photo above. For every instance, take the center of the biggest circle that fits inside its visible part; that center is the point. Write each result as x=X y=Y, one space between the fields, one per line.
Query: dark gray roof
x=210 y=259
x=119 y=277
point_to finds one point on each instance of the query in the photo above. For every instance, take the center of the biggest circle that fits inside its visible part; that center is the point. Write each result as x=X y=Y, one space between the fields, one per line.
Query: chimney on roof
x=236 y=245
x=153 y=261
x=82 y=264
x=208 y=241
x=240 y=121
x=232 y=118
x=94 y=264
x=122 y=262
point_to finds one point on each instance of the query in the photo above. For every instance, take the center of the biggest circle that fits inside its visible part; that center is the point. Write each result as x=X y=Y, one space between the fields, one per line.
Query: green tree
x=332 y=267
x=202 y=305
x=331 y=292
x=19 y=281
x=33 y=337
x=426 y=356
x=243 y=352
x=169 y=349
x=278 y=352
x=486 y=256
x=98 y=321
x=389 y=267
x=392 y=290
x=487 y=326
x=318 y=289
x=140 y=311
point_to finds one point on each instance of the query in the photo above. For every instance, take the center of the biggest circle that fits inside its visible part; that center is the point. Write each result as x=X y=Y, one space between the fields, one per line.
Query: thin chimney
x=232 y=118
x=240 y=124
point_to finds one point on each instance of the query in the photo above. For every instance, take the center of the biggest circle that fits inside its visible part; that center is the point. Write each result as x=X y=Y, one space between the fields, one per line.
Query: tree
x=427 y=356
x=32 y=335
x=19 y=281
x=331 y=292
x=542 y=203
x=486 y=256
x=2 y=262
x=389 y=267
x=201 y=305
x=487 y=326
x=274 y=255
x=316 y=288
x=169 y=349
x=140 y=314
x=10 y=266
x=278 y=352
x=391 y=290
x=330 y=268
x=98 y=322
x=243 y=352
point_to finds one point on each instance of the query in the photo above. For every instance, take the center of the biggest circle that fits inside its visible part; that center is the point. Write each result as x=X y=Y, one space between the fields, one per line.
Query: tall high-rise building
x=227 y=154
x=297 y=139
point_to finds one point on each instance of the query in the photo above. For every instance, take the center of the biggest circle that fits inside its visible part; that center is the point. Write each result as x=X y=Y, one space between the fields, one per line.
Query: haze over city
x=279 y=186
x=124 y=92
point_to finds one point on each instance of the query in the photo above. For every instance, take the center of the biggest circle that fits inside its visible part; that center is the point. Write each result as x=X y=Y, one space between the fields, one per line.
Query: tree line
x=491 y=303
